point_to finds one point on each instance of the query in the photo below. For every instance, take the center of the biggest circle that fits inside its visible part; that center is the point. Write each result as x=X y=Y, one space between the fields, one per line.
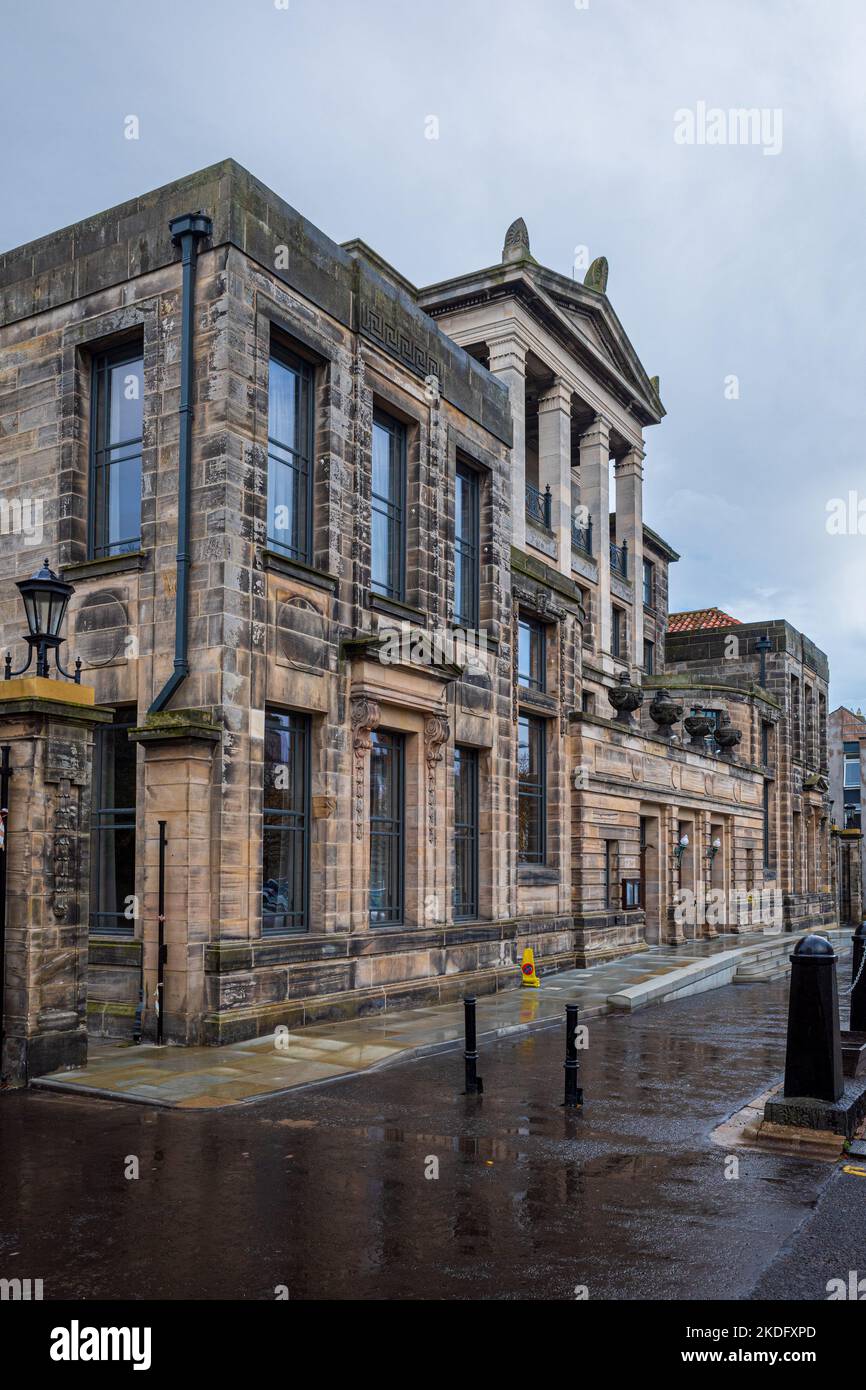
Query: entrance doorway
x=650 y=897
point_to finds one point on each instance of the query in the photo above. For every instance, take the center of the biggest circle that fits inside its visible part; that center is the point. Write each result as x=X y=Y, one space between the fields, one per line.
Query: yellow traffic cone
x=527 y=969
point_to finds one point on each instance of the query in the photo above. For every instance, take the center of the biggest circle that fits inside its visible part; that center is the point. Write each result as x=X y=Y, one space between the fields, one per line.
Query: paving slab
x=210 y=1078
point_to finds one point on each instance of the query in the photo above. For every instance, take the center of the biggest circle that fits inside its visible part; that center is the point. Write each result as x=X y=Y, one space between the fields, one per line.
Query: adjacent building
x=847 y=760
x=768 y=683
x=385 y=688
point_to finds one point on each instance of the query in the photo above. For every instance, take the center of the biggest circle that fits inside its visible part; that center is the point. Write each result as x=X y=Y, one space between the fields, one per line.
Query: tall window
x=530 y=654
x=617 y=632
x=809 y=745
x=388 y=498
x=649 y=657
x=611 y=873
x=795 y=717
x=531 y=773
x=851 y=775
x=113 y=826
x=466 y=547
x=649 y=583
x=387 y=769
x=851 y=813
x=290 y=446
x=465 y=899
x=286 y=828
x=822 y=729
x=766 y=742
x=766 y=824
x=115 y=453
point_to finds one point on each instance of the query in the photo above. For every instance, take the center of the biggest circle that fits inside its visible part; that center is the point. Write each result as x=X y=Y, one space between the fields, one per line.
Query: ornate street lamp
x=713 y=849
x=680 y=849
x=45 y=602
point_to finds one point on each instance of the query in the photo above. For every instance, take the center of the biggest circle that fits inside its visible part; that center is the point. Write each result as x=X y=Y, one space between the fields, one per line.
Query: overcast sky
x=725 y=261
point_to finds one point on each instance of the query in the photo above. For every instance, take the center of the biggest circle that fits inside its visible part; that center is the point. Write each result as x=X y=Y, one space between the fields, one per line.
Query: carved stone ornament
x=697 y=726
x=625 y=698
x=436 y=735
x=365 y=718
x=726 y=736
x=516 y=247
x=65 y=828
x=596 y=277
x=665 y=712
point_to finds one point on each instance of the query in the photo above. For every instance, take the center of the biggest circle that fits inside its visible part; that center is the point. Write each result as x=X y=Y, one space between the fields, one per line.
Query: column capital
x=631 y=463
x=556 y=397
x=507 y=352
x=597 y=433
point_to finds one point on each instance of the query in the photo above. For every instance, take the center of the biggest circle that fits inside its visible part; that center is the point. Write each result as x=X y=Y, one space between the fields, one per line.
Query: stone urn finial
x=625 y=698
x=697 y=726
x=664 y=711
x=726 y=736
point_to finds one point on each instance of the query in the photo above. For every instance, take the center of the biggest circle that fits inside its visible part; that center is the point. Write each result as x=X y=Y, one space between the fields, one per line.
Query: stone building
x=366 y=607
x=847 y=762
x=651 y=818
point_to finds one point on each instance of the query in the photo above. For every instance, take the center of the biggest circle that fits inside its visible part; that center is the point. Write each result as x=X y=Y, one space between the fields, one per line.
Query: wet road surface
x=325 y=1192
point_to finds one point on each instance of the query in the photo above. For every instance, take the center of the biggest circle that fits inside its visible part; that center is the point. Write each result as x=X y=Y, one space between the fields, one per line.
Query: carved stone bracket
x=436 y=735
x=538 y=601
x=64 y=855
x=365 y=718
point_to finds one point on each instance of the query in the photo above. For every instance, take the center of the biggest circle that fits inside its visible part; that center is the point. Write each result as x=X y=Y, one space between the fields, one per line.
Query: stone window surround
x=385 y=396
x=427 y=738
x=299 y=336
x=81 y=342
x=462 y=449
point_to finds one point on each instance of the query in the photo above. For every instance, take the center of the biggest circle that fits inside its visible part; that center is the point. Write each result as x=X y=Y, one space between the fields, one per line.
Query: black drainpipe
x=185 y=232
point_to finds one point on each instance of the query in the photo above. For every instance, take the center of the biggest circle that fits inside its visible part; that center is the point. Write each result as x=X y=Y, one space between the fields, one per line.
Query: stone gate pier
x=48 y=727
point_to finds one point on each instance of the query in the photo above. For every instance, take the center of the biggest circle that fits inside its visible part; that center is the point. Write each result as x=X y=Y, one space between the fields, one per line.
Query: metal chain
x=854 y=983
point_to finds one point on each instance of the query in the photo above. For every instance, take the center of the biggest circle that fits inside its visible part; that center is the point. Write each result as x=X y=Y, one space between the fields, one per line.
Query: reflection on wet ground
x=332 y=1192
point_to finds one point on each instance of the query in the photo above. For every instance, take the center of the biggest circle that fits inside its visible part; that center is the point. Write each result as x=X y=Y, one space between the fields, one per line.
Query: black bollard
x=573 y=1092
x=813 y=1058
x=474 y=1084
x=858 y=989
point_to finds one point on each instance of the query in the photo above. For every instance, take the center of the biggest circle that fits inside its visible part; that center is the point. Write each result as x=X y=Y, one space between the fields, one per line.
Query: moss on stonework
x=176 y=724
x=687 y=682
x=167 y=718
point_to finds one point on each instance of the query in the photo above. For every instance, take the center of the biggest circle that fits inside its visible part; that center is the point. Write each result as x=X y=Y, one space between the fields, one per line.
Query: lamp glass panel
x=43 y=612
x=30 y=611
x=56 y=613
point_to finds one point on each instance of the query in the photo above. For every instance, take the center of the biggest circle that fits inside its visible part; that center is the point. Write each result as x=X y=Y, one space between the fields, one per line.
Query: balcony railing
x=619 y=559
x=581 y=536
x=538 y=505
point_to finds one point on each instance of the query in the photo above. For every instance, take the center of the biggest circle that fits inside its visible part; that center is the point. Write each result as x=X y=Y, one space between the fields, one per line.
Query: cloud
x=722 y=261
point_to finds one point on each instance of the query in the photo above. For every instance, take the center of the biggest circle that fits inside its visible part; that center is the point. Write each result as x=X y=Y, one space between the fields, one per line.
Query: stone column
x=365 y=715
x=554 y=464
x=178 y=788
x=434 y=889
x=628 y=472
x=595 y=496
x=676 y=931
x=508 y=362
x=48 y=726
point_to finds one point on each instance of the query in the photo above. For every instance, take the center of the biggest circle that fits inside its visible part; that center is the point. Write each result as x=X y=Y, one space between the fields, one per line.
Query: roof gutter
x=186 y=232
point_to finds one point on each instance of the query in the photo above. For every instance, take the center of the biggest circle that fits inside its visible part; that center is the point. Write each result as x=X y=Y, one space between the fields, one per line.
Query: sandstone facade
x=457 y=783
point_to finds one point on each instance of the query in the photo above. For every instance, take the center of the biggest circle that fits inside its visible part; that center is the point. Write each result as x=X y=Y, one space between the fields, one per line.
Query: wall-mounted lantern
x=713 y=849
x=681 y=849
x=46 y=598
